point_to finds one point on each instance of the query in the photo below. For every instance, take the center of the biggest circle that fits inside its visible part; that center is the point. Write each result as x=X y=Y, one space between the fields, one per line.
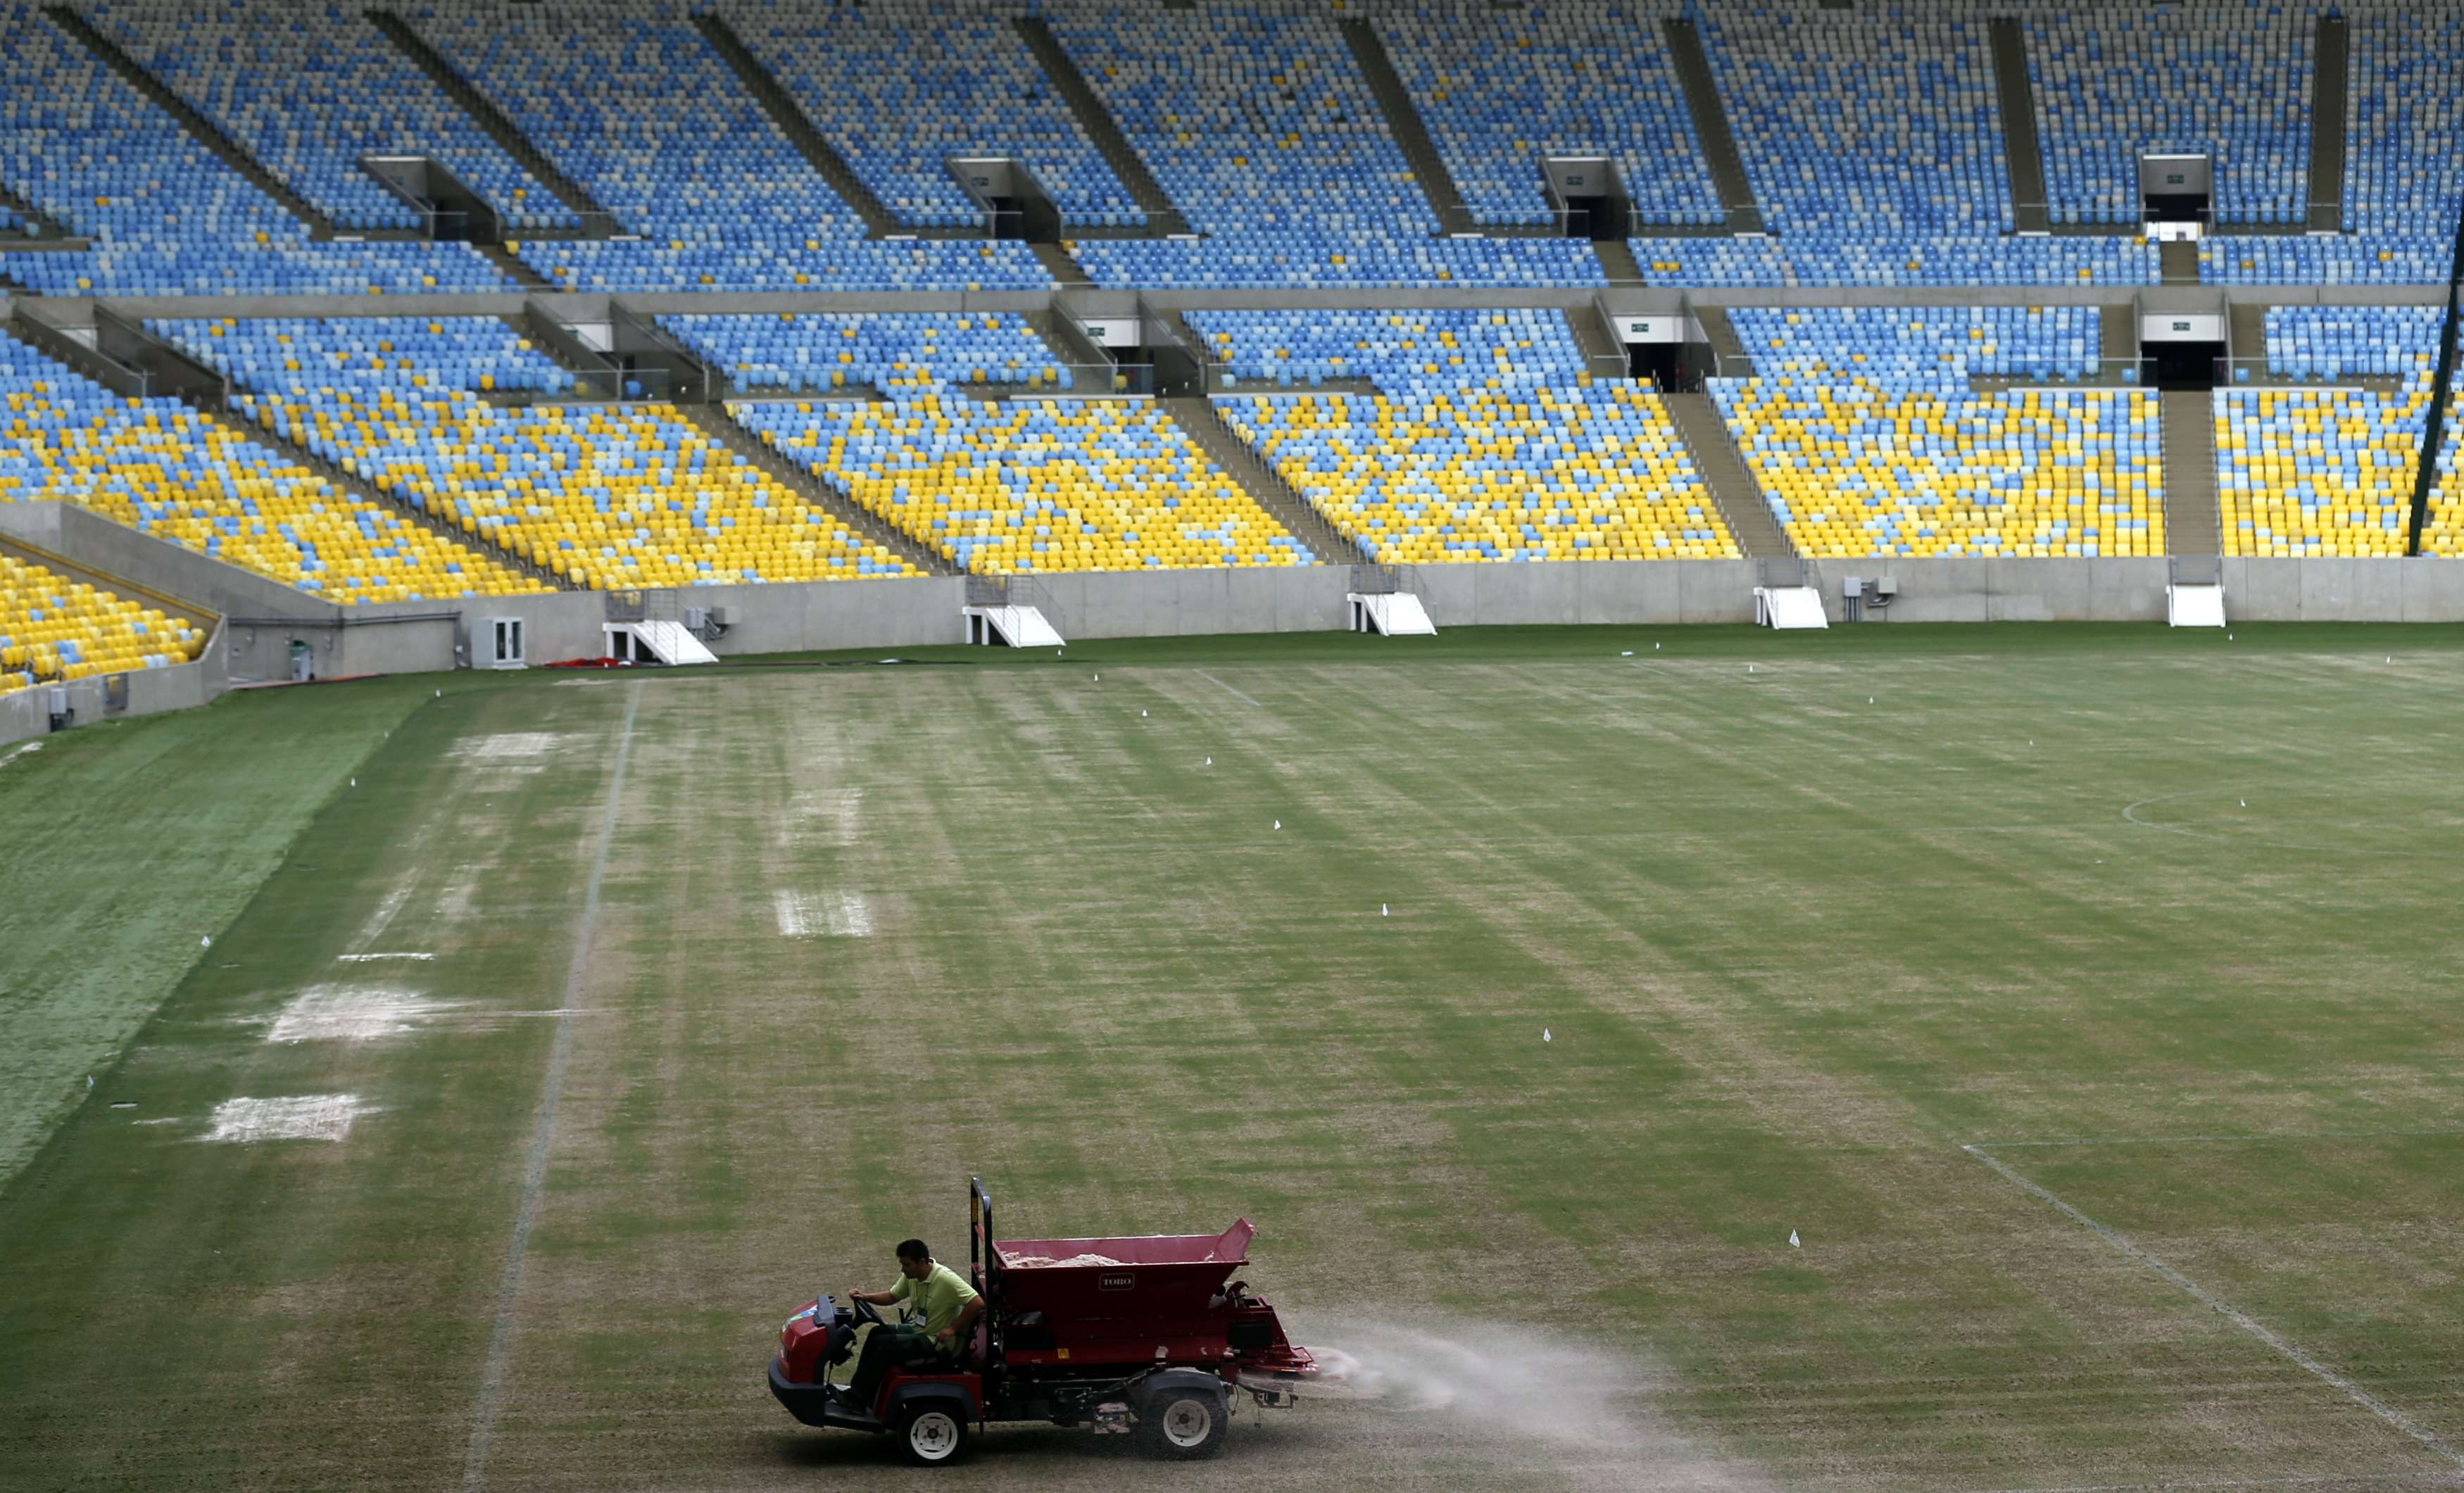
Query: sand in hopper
x=1048 y=1262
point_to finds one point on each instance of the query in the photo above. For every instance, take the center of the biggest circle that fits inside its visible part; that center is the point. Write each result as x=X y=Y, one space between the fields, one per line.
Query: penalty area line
x=2231 y=1313
x=500 y=1332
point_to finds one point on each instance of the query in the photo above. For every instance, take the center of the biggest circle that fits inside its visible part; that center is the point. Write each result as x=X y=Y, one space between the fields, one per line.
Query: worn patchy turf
x=2181 y=905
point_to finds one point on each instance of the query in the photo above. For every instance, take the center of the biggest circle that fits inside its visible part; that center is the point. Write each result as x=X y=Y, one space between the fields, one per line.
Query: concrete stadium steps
x=200 y=128
x=597 y=221
x=714 y=422
x=1758 y=534
x=2245 y=329
x=1711 y=124
x=2192 y=525
x=1616 y=260
x=512 y=267
x=1059 y=264
x=2178 y=262
x=366 y=493
x=2330 y=57
x=818 y=153
x=2117 y=332
x=2020 y=148
x=1734 y=362
x=1163 y=217
x=1403 y=121
x=1198 y=419
x=1583 y=323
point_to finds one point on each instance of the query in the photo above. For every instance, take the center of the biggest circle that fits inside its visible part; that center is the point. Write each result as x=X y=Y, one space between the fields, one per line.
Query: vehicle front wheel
x=930 y=1434
x=1184 y=1425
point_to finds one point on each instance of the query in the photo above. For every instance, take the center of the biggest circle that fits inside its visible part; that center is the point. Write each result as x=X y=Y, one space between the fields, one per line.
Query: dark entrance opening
x=2182 y=365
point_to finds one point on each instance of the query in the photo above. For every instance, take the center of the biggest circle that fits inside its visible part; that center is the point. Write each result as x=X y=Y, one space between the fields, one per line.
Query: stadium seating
x=1032 y=486
x=1499 y=89
x=165 y=215
x=187 y=478
x=2319 y=471
x=55 y=630
x=1922 y=344
x=1256 y=121
x=814 y=353
x=603 y=495
x=2224 y=78
x=2404 y=184
x=627 y=97
x=1862 y=433
x=1487 y=441
x=307 y=90
x=898 y=87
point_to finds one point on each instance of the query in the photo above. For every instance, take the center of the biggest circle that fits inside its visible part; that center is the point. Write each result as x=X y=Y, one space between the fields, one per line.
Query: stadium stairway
x=366 y=492
x=2030 y=213
x=2117 y=335
x=1198 y=419
x=597 y=221
x=2179 y=262
x=2191 y=522
x=2330 y=59
x=1163 y=219
x=817 y=152
x=1726 y=345
x=1724 y=471
x=200 y=128
x=2246 y=330
x=1711 y=126
x=721 y=426
x=1429 y=170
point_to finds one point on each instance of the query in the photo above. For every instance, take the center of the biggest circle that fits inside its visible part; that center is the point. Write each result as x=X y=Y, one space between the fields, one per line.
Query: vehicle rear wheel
x=1184 y=1425
x=930 y=1434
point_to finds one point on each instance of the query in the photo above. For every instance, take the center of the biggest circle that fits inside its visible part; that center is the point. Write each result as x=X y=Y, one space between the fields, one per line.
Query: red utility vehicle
x=1149 y=1336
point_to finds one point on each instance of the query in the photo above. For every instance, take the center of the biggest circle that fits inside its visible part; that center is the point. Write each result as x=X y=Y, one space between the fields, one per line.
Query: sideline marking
x=27 y=750
x=2224 y=1309
x=363 y=958
x=1227 y=689
x=501 y=1334
x=2184 y=1140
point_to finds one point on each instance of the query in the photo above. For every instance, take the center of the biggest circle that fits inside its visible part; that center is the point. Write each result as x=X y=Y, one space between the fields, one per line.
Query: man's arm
x=888 y=1298
x=957 y=1332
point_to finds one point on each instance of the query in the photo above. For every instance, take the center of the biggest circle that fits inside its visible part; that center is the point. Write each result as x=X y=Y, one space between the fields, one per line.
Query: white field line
x=850 y=814
x=2217 y=1140
x=323 y=1117
x=27 y=750
x=382 y=917
x=367 y=958
x=1227 y=689
x=844 y=914
x=2243 y=1320
x=500 y=1333
x=790 y=908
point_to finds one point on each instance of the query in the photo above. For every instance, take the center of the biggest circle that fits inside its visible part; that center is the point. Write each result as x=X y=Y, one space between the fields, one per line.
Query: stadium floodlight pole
x=2433 y=430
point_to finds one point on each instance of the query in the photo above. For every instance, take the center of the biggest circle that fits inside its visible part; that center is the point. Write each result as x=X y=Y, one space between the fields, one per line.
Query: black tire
x=933 y=1434
x=1184 y=1425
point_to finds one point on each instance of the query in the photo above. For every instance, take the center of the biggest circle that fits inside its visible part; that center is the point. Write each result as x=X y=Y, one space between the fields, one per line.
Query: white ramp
x=668 y=642
x=1789 y=607
x=1394 y=614
x=2194 y=605
x=1017 y=626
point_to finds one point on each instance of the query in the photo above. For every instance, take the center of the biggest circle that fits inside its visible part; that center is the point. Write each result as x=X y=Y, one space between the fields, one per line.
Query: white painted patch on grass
x=370 y=958
x=27 y=750
x=850 y=814
x=293 y=1117
x=516 y=750
x=352 y=1013
x=837 y=914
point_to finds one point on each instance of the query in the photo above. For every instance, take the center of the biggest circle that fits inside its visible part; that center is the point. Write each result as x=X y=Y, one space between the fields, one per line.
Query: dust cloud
x=1517 y=1395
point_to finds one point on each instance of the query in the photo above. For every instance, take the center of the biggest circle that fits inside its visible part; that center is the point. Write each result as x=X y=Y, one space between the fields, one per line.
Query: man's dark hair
x=913 y=1249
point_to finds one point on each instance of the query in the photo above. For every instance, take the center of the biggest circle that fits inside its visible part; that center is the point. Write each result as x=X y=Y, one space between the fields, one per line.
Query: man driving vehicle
x=948 y=1306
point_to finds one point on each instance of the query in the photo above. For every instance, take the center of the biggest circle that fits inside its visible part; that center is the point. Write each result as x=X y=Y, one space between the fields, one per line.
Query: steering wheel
x=864 y=1311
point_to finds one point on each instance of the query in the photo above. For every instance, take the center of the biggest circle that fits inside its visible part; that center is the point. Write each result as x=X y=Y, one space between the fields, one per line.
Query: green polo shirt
x=941 y=1295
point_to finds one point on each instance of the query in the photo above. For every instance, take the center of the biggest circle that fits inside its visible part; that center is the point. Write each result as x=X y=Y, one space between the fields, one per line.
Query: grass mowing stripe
x=2225 y=1310
x=500 y=1335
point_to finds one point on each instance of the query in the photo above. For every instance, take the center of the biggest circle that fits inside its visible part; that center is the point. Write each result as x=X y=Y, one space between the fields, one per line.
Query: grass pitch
x=2085 y=1003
